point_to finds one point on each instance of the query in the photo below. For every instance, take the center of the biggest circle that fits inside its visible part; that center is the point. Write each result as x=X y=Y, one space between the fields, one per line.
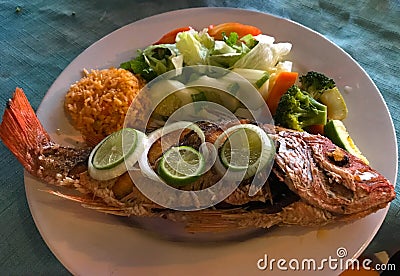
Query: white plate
x=90 y=243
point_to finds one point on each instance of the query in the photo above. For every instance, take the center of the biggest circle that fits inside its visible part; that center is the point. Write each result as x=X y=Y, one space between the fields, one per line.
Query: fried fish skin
x=307 y=186
x=309 y=166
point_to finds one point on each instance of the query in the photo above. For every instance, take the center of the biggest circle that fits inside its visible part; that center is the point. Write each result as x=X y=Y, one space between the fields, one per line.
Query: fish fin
x=20 y=130
x=86 y=201
x=222 y=220
x=79 y=199
x=99 y=205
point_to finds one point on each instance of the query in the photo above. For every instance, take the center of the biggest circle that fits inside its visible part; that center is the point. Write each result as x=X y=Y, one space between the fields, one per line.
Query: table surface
x=39 y=39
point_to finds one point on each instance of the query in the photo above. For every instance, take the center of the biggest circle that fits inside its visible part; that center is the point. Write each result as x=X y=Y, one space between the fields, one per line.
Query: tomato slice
x=169 y=37
x=229 y=27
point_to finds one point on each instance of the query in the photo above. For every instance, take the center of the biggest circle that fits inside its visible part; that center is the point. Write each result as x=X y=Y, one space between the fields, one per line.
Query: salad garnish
x=303 y=102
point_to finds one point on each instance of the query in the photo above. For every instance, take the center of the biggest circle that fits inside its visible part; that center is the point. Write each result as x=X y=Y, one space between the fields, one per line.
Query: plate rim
x=200 y=9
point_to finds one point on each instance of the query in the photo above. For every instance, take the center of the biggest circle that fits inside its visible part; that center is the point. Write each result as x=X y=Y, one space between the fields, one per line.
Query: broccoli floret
x=298 y=110
x=316 y=83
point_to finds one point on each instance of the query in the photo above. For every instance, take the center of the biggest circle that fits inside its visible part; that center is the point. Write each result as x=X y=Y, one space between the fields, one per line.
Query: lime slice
x=181 y=165
x=248 y=148
x=114 y=149
x=241 y=150
x=117 y=153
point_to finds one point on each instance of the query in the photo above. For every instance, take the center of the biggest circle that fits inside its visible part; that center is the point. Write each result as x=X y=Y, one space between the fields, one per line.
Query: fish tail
x=21 y=131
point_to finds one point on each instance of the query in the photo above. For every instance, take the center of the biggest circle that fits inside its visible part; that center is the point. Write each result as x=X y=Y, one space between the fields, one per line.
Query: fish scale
x=306 y=187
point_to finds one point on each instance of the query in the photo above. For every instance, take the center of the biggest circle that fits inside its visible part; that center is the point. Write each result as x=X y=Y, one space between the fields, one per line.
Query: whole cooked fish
x=313 y=182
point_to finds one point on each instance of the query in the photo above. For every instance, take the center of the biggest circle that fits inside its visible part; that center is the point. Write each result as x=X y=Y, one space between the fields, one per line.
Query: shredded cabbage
x=265 y=55
x=194 y=46
x=199 y=48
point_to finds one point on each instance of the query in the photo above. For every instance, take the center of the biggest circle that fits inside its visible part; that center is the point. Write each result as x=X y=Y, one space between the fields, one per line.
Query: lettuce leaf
x=199 y=48
x=194 y=46
x=154 y=61
x=228 y=51
x=265 y=55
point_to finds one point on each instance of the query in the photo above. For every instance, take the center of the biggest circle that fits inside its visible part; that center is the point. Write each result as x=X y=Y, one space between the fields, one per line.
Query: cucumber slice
x=254 y=76
x=337 y=132
x=336 y=106
x=220 y=97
